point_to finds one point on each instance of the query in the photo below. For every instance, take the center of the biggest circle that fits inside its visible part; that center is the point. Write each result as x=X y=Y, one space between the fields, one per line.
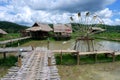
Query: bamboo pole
x=19 y=61
x=4 y=53
x=61 y=57
x=113 y=55
x=19 y=58
x=48 y=44
x=49 y=61
x=92 y=44
x=88 y=43
x=95 y=57
x=78 y=58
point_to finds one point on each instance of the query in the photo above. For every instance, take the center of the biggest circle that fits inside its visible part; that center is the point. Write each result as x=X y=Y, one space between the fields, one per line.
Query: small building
x=24 y=33
x=2 y=32
x=39 y=30
x=62 y=30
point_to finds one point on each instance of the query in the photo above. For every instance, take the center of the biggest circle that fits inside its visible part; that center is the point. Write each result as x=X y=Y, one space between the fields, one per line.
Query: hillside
x=10 y=27
x=110 y=33
x=108 y=28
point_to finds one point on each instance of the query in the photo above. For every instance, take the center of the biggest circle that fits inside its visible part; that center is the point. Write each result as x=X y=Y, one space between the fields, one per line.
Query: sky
x=27 y=12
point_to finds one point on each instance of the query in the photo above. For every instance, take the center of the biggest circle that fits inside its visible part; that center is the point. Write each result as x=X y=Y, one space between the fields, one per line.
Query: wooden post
x=113 y=55
x=87 y=40
x=19 y=58
x=19 y=61
x=92 y=45
x=61 y=57
x=75 y=45
x=78 y=58
x=48 y=44
x=4 y=53
x=95 y=57
x=49 y=61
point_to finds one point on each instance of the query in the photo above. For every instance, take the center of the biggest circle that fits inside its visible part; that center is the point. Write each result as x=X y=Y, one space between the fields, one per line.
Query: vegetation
x=100 y=71
x=5 y=64
x=10 y=27
x=108 y=36
x=110 y=33
x=70 y=71
x=15 y=44
x=72 y=60
x=10 y=36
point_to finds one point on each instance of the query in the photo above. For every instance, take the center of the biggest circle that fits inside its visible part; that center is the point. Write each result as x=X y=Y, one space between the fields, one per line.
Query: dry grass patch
x=99 y=71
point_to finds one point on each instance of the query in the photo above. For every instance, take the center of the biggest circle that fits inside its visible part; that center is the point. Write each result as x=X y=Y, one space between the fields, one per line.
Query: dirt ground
x=99 y=71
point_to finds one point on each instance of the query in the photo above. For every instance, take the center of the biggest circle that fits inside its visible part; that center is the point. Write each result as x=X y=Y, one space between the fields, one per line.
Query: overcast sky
x=27 y=12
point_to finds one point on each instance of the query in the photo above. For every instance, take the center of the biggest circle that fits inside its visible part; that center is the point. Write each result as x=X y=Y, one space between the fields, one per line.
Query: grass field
x=9 y=36
x=104 y=69
x=5 y=64
x=108 y=36
x=99 y=71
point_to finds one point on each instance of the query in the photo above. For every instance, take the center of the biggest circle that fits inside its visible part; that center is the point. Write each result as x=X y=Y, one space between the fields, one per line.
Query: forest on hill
x=109 y=28
x=10 y=27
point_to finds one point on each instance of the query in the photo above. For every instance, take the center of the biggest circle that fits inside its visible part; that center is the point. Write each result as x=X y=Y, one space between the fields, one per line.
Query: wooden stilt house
x=24 y=33
x=62 y=30
x=39 y=30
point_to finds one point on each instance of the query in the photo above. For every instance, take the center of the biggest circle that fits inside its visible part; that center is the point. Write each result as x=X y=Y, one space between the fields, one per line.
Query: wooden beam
x=4 y=55
x=113 y=55
x=49 y=61
x=48 y=42
x=19 y=61
x=78 y=58
x=95 y=58
x=61 y=57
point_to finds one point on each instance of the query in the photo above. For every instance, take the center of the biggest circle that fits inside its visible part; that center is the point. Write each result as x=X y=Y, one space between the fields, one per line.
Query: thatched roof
x=40 y=27
x=2 y=32
x=62 y=28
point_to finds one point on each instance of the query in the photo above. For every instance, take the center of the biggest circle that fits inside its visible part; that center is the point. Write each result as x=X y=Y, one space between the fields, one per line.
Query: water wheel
x=88 y=26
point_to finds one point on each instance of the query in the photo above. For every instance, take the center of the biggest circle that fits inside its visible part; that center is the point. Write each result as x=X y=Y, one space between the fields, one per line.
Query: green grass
x=15 y=44
x=9 y=36
x=108 y=36
x=66 y=59
x=9 y=61
x=5 y=64
x=69 y=59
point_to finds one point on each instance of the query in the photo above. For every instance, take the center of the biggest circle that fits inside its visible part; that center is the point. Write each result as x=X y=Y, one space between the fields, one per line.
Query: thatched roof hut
x=39 y=30
x=62 y=30
x=2 y=32
x=40 y=27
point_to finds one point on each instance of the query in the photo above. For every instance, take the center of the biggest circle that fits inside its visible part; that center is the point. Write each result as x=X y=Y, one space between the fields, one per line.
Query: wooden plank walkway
x=13 y=40
x=35 y=67
x=64 y=51
x=96 y=52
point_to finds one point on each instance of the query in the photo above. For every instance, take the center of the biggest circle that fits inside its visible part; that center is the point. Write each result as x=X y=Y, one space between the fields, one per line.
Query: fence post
x=49 y=61
x=19 y=58
x=78 y=58
x=4 y=53
x=48 y=42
